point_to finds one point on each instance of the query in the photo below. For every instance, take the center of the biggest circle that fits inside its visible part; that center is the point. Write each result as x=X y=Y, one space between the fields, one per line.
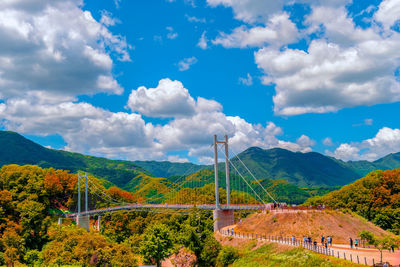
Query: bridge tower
x=222 y=217
x=82 y=220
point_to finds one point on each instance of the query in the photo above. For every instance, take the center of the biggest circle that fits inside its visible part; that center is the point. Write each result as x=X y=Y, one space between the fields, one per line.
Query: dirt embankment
x=341 y=226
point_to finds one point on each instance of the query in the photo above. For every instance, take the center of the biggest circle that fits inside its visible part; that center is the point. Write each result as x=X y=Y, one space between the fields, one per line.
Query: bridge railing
x=300 y=243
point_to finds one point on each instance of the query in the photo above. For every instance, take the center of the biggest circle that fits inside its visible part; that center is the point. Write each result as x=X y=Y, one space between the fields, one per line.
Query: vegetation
x=386 y=242
x=375 y=197
x=23 y=151
x=156 y=244
x=227 y=256
x=168 y=169
x=270 y=255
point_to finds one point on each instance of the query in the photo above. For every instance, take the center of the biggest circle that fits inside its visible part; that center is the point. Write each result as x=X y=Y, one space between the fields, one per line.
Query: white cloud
x=388 y=13
x=96 y=131
x=107 y=19
x=329 y=77
x=168 y=99
x=203 y=41
x=251 y=10
x=327 y=141
x=248 y=81
x=171 y=33
x=386 y=141
x=67 y=59
x=278 y=31
x=186 y=63
x=195 y=19
x=192 y=3
x=176 y=158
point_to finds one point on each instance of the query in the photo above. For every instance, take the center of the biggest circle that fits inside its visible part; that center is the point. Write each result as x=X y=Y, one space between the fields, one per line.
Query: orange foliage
x=59 y=181
x=118 y=193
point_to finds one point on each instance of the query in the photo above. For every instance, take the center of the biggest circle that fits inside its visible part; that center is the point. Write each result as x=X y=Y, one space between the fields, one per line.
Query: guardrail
x=300 y=243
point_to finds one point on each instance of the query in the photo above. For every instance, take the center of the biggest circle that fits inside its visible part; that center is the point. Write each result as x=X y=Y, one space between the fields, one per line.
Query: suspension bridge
x=243 y=187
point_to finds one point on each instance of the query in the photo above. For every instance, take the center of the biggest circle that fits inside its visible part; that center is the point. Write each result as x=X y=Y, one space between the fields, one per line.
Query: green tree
x=209 y=254
x=386 y=242
x=227 y=256
x=157 y=244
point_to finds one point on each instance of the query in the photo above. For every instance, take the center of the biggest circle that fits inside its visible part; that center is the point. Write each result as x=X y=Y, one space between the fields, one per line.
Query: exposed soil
x=341 y=226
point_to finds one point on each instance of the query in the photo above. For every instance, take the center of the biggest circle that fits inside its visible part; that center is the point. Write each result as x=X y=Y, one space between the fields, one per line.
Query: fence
x=299 y=243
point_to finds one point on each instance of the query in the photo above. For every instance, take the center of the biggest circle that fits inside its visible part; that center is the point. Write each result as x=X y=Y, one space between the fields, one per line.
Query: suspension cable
x=236 y=155
x=245 y=180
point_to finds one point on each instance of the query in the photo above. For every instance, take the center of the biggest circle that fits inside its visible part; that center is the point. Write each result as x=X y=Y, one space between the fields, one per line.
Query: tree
x=209 y=254
x=386 y=242
x=157 y=244
x=227 y=256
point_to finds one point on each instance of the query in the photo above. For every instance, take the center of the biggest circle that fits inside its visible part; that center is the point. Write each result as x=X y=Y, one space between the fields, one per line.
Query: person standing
x=356 y=243
x=351 y=242
x=322 y=240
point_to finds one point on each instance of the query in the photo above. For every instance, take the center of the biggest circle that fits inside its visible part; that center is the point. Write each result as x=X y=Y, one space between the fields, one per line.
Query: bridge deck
x=169 y=206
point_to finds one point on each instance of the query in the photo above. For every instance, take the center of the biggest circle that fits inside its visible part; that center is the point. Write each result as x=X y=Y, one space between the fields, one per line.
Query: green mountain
x=302 y=169
x=308 y=169
x=167 y=169
x=16 y=149
x=299 y=169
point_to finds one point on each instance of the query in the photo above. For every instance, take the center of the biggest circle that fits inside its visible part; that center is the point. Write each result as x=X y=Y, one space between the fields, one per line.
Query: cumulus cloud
x=386 y=141
x=89 y=129
x=329 y=77
x=388 y=13
x=168 y=99
x=327 y=141
x=67 y=59
x=186 y=63
x=251 y=10
x=279 y=30
x=343 y=66
x=178 y=159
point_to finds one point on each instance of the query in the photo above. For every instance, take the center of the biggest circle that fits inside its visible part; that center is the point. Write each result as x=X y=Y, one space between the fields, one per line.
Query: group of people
x=325 y=241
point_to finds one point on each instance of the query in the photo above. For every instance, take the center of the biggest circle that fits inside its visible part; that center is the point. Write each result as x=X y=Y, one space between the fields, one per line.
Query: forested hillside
x=375 y=197
x=16 y=149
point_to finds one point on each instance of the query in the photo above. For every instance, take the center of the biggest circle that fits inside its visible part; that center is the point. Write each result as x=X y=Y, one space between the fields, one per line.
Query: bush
x=227 y=256
x=31 y=257
x=209 y=254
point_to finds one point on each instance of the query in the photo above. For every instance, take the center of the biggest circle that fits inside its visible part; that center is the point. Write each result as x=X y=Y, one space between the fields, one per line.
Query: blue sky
x=156 y=79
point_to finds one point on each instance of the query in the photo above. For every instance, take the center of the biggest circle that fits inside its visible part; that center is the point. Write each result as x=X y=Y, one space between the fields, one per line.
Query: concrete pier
x=222 y=218
x=83 y=221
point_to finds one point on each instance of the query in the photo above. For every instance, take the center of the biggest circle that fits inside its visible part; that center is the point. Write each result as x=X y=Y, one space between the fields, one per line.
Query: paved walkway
x=365 y=255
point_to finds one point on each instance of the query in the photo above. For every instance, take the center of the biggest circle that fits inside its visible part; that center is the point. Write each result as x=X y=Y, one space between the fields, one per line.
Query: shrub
x=227 y=256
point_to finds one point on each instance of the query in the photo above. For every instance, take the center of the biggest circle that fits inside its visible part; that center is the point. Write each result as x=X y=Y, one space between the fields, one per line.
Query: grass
x=271 y=255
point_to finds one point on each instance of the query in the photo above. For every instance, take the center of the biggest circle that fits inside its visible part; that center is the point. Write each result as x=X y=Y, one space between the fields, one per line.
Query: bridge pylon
x=222 y=217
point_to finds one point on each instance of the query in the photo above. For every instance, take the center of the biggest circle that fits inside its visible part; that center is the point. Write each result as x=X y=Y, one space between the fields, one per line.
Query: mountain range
x=300 y=169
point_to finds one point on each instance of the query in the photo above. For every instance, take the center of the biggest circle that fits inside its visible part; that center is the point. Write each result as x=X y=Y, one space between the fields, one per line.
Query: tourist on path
x=351 y=242
x=322 y=240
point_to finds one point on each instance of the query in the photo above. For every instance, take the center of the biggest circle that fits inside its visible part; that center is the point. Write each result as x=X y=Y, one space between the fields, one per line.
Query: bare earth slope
x=341 y=226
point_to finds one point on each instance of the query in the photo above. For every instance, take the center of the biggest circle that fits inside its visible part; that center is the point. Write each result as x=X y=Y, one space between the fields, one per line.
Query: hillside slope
x=16 y=149
x=337 y=224
x=302 y=169
x=375 y=197
x=167 y=169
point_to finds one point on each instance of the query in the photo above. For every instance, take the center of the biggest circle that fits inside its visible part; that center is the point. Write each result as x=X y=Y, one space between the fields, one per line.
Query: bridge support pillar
x=98 y=223
x=222 y=218
x=83 y=221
